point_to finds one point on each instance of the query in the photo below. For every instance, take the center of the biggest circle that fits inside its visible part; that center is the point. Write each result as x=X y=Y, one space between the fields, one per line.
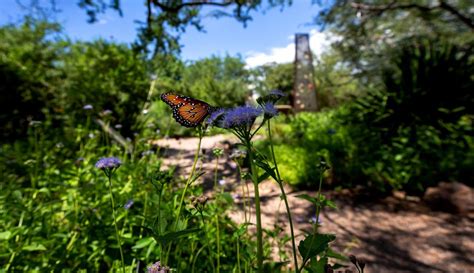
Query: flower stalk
x=285 y=199
x=109 y=165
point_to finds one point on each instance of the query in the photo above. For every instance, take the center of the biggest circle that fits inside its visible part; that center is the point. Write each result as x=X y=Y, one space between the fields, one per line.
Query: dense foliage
x=410 y=132
x=56 y=201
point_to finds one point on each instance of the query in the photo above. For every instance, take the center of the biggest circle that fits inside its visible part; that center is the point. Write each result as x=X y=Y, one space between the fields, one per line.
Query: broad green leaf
x=313 y=245
x=329 y=203
x=5 y=235
x=307 y=197
x=318 y=266
x=173 y=236
x=143 y=243
x=263 y=177
x=34 y=247
x=267 y=168
x=333 y=254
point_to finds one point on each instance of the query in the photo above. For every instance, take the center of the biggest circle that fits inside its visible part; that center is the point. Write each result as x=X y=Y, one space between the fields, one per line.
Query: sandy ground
x=390 y=235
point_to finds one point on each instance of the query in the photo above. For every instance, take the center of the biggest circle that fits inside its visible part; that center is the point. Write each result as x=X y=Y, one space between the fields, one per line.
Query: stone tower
x=304 y=92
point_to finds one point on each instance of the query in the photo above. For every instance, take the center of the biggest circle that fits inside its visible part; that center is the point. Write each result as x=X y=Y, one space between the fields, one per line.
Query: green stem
x=195 y=258
x=318 y=207
x=285 y=199
x=190 y=178
x=217 y=221
x=316 y=225
x=257 y=209
x=238 y=256
x=188 y=182
x=115 y=221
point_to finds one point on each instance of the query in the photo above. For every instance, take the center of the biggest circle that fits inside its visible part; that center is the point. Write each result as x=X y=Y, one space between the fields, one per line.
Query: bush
x=307 y=138
x=108 y=76
x=418 y=125
x=409 y=134
x=29 y=75
x=45 y=78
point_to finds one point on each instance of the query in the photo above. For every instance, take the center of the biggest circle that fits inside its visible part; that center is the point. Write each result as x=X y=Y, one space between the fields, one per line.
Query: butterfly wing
x=187 y=111
x=191 y=114
x=173 y=99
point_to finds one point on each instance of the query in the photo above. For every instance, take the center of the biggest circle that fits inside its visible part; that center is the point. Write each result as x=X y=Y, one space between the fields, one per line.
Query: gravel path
x=391 y=235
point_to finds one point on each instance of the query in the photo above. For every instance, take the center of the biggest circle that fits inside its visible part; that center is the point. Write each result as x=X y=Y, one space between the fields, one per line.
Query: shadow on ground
x=391 y=235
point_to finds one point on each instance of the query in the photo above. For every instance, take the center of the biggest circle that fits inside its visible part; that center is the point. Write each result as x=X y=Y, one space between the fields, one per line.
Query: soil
x=393 y=234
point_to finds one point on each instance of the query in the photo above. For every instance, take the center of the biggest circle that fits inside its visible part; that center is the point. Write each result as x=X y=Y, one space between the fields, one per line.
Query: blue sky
x=267 y=38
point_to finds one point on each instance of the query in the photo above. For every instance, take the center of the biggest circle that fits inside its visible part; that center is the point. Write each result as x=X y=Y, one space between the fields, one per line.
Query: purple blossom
x=313 y=220
x=88 y=107
x=236 y=197
x=106 y=112
x=107 y=163
x=215 y=116
x=277 y=93
x=269 y=110
x=241 y=116
x=157 y=268
x=129 y=204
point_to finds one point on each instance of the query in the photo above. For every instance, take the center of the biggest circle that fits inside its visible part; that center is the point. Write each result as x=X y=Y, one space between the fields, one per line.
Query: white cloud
x=318 y=41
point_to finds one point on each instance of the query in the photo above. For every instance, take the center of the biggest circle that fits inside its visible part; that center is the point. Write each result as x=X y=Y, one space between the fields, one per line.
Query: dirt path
x=391 y=235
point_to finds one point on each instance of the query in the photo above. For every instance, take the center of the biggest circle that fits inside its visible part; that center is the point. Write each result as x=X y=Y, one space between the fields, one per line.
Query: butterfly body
x=187 y=111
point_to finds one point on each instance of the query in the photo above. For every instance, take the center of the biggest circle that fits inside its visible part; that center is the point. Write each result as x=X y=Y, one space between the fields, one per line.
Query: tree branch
x=175 y=9
x=379 y=9
x=466 y=20
x=148 y=18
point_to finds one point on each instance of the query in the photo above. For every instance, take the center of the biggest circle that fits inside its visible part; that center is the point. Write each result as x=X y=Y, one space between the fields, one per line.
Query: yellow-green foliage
x=292 y=163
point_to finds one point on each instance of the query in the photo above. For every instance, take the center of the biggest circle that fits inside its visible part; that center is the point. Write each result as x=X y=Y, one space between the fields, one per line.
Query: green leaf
x=5 y=235
x=307 y=198
x=173 y=236
x=329 y=203
x=196 y=177
x=318 y=266
x=143 y=243
x=313 y=245
x=34 y=247
x=333 y=254
x=263 y=177
x=267 y=168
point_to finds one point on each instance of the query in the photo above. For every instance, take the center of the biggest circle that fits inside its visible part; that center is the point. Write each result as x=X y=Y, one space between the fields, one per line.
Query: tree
x=218 y=81
x=29 y=75
x=272 y=76
x=166 y=20
x=367 y=29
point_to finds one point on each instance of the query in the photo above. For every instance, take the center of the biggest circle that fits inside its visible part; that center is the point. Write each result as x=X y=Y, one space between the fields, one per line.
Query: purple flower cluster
x=108 y=163
x=215 y=116
x=241 y=116
x=277 y=93
x=269 y=110
x=157 y=268
x=129 y=204
x=88 y=107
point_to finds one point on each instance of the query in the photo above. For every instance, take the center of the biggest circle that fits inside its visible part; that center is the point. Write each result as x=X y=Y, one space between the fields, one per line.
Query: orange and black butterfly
x=187 y=111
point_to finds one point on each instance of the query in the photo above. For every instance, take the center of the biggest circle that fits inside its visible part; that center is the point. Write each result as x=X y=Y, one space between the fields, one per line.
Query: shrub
x=410 y=133
x=29 y=75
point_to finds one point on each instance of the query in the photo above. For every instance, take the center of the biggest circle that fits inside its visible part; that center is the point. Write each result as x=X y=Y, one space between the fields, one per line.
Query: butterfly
x=187 y=111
